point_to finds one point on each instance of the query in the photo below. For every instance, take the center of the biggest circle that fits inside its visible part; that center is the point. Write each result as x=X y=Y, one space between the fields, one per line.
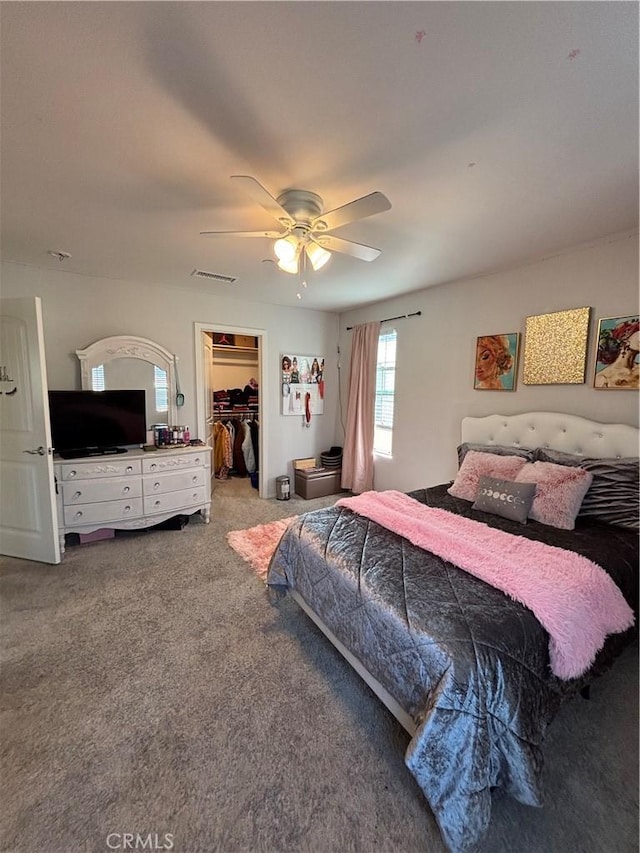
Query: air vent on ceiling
x=215 y=276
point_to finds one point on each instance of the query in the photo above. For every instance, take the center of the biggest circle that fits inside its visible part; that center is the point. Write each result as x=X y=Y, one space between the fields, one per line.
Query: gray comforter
x=467 y=663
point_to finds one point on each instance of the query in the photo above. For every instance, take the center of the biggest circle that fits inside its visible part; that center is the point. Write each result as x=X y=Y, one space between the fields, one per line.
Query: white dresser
x=131 y=490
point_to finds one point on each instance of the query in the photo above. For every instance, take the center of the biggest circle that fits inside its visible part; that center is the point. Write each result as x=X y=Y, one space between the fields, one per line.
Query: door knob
x=40 y=451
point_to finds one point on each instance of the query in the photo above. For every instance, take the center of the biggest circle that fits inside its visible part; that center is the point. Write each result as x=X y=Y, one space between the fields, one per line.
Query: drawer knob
x=197 y=460
x=195 y=495
x=126 y=490
x=156 y=485
x=78 y=514
x=153 y=466
x=129 y=469
x=127 y=509
x=194 y=479
x=72 y=474
x=157 y=503
x=77 y=495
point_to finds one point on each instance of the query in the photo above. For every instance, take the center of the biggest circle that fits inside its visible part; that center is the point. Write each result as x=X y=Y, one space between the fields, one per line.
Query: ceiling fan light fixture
x=289 y=266
x=286 y=249
x=317 y=255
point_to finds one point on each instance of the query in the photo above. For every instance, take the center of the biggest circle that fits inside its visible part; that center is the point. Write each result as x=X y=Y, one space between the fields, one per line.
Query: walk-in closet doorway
x=215 y=342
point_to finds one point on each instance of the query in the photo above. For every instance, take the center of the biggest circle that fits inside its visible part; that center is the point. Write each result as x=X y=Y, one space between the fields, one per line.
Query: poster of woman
x=617 y=355
x=302 y=384
x=496 y=362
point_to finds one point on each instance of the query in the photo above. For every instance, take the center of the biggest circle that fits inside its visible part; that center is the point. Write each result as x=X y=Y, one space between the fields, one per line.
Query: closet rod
x=236 y=416
x=399 y=317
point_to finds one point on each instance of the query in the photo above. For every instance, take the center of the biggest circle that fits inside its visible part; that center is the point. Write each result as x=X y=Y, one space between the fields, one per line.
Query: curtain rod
x=399 y=317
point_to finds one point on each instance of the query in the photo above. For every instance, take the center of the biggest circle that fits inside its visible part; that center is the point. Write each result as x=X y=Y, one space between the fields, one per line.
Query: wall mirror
x=124 y=361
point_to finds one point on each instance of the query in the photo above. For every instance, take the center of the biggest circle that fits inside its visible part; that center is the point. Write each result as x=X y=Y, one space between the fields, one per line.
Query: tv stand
x=80 y=452
x=131 y=490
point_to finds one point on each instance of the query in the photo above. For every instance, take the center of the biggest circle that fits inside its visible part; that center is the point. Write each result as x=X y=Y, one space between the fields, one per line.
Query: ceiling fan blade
x=358 y=209
x=348 y=247
x=264 y=198
x=273 y=235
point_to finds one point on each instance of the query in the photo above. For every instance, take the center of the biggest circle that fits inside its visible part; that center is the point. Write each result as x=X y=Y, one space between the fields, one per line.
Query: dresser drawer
x=85 y=470
x=173 y=482
x=102 y=513
x=95 y=491
x=158 y=463
x=184 y=499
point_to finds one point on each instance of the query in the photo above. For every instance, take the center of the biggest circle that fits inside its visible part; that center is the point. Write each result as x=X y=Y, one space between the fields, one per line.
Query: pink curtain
x=357 y=456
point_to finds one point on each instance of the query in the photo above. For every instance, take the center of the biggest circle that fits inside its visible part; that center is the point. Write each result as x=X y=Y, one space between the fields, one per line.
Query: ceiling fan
x=305 y=226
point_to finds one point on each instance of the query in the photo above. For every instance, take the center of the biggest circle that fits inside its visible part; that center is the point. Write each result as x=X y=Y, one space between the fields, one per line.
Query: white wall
x=233 y=371
x=435 y=356
x=435 y=351
x=78 y=310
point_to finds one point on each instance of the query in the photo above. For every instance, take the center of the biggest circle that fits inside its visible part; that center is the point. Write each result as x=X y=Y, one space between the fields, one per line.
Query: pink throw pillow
x=475 y=465
x=559 y=492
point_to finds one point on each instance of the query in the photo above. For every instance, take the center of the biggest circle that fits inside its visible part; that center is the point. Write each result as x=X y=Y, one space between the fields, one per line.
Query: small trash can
x=283 y=490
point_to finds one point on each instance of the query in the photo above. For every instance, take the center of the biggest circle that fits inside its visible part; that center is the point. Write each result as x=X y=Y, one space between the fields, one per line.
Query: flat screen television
x=88 y=423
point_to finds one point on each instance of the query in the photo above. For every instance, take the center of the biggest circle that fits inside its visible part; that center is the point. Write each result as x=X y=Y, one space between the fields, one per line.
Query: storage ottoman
x=317 y=482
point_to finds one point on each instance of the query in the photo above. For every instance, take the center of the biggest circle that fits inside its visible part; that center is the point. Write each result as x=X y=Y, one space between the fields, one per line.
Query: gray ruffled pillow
x=613 y=496
x=498 y=449
x=505 y=498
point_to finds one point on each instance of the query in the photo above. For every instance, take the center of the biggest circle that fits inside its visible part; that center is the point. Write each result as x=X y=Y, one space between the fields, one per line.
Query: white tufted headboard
x=569 y=433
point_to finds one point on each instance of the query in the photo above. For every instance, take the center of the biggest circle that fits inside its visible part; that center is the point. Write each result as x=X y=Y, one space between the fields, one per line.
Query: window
x=385 y=388
x=97 y=378
x=160 y=383
x=161 y=389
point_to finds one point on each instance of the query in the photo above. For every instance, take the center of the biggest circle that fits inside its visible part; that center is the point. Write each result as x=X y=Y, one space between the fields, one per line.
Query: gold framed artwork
x=555 y=347
x=496 y=365
x=617 y=366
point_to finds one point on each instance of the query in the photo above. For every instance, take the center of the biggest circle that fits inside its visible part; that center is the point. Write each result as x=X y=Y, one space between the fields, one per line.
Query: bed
x=463 y=666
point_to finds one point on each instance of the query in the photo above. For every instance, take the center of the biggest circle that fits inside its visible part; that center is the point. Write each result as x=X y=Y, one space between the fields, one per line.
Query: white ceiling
x=501 y=133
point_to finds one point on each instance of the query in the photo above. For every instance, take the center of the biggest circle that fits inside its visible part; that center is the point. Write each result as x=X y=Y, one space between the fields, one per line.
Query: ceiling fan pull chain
x=302 y=271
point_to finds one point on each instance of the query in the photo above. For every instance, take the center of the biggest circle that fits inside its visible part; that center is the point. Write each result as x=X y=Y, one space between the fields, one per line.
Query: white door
x=28 y=518
x=207 y=369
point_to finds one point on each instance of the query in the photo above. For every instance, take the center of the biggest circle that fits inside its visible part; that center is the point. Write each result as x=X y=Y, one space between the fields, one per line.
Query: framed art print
x=302 y=375
x=617 y=365
x=555 y=347
x=496 y=365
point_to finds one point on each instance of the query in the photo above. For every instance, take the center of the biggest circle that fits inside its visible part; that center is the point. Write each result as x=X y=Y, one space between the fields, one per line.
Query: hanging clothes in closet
x=235 y=447
x=255 y=442
x=239 y=464
x=233 y=404
x=222 y=450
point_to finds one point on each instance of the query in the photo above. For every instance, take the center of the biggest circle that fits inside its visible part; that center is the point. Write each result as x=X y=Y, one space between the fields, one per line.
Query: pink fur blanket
x=574 y=599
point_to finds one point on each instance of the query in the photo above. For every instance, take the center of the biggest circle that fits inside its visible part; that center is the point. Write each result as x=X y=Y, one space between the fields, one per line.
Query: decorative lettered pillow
x=505 y=498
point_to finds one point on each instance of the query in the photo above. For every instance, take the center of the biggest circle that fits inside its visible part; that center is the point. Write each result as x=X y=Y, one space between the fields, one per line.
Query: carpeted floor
x=149 y=687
